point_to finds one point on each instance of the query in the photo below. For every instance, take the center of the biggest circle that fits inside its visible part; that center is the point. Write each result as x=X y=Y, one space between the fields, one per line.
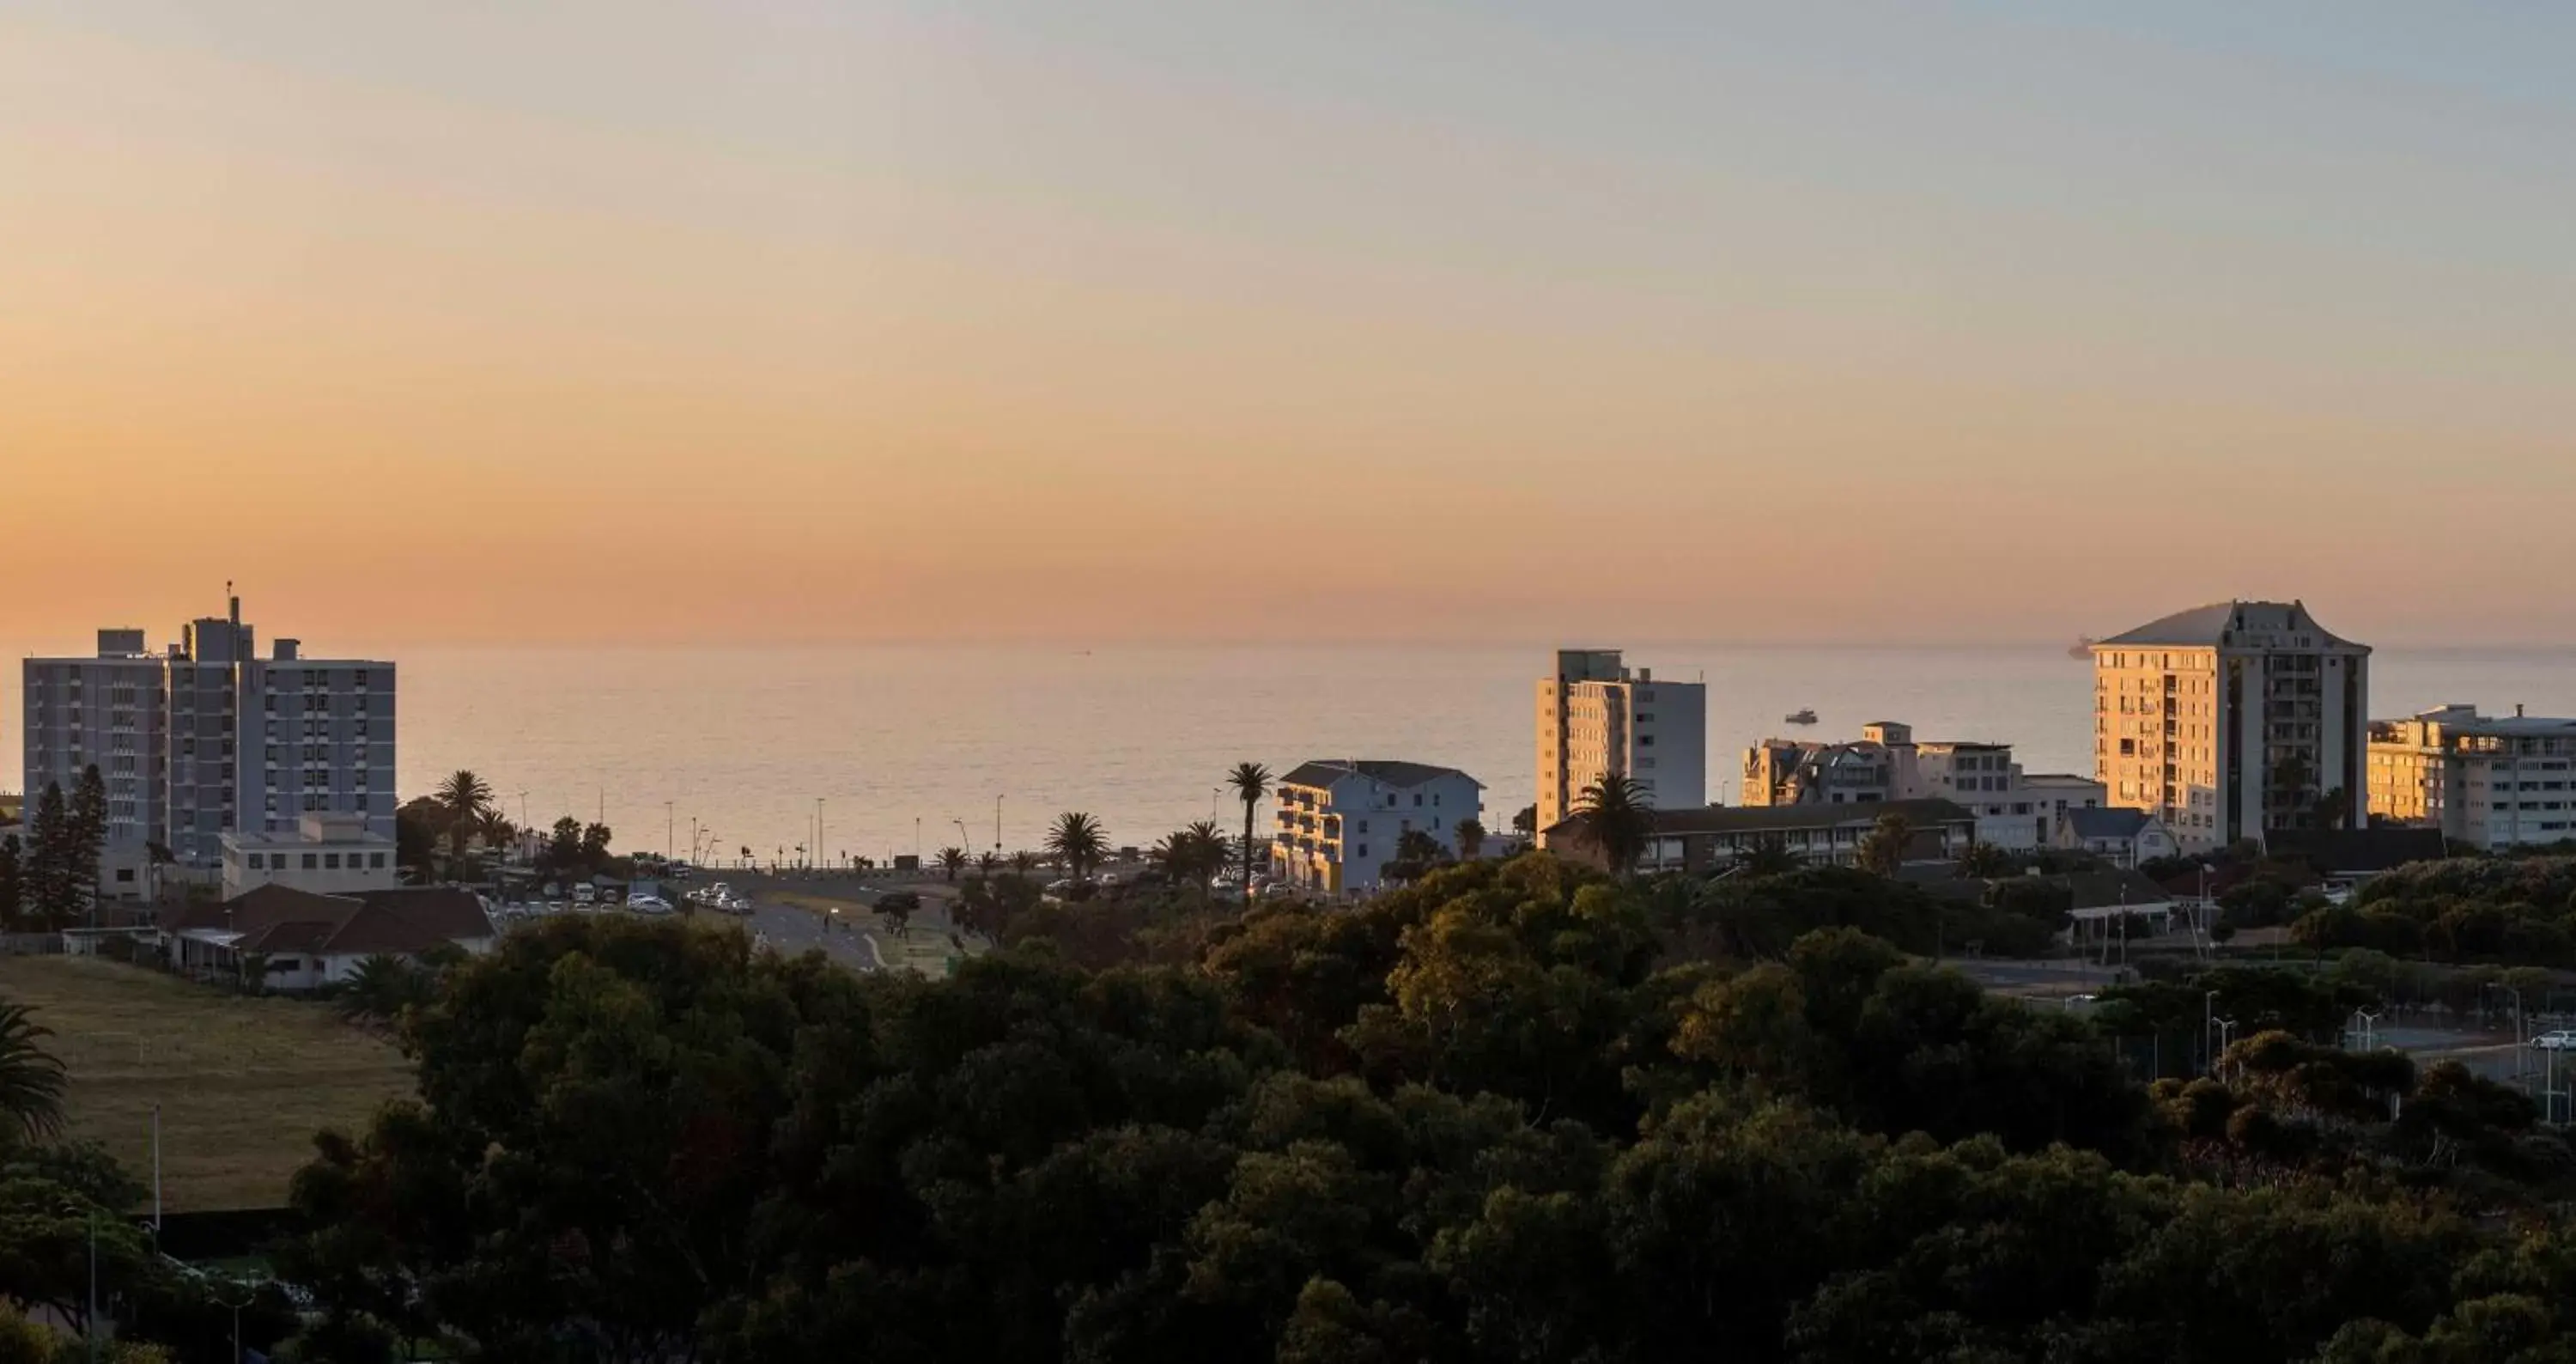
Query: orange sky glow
x=798 y=322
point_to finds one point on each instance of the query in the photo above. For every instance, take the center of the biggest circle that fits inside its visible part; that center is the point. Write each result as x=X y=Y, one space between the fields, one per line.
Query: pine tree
x=12 y=880
x=47 y=869
x=87 y=838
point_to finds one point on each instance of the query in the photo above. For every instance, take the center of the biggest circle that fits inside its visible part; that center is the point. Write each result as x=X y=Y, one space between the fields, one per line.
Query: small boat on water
x=1801 y=717
x=2082 y=648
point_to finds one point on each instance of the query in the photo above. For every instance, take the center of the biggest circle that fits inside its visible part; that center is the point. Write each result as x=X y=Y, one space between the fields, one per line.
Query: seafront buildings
x=2487 y=781
x=1341 y=819
x=2013 y=809
x=205 y=738
x=2230 y=720
x=1598 y=718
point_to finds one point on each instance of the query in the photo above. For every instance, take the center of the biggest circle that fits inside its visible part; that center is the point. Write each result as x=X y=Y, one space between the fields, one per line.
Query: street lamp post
x=2208 y=1023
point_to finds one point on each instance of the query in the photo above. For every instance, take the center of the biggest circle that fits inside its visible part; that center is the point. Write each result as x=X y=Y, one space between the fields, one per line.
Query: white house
x=1341 y=819
x=328 y=854
x=310 y=941
x=2125 y=837
x=2014 y=809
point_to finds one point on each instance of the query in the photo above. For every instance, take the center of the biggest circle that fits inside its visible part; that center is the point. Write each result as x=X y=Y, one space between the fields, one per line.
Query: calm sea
x=903 y=745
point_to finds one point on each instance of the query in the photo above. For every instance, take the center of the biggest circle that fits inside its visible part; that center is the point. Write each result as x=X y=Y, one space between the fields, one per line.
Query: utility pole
x=156 y=1171
x=670 y=832
x=997 y=826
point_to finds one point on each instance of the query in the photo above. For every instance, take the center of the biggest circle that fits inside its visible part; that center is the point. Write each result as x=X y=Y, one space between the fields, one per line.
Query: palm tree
x=1769 y=856
x=381 y=988
x=987 y=862
x=1251 y=781
x=1193 y=854
x=1883 y=850
x=465 y=797
x=952 y=860
x=1078 y=843
x=1471 y=838
x=1615 y=817
x=31 y=1078
x=496 y=831
x=1024 y=862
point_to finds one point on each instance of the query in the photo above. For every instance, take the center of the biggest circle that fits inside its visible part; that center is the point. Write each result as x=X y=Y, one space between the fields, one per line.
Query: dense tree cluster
x=2471 y=909
x=49 y=874
x=1494 y=1115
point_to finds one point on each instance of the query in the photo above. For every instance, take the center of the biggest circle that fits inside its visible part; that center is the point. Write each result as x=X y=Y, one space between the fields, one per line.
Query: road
x=848 y=938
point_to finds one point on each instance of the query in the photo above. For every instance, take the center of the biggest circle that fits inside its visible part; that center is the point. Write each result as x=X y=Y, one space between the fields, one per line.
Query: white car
x=2562 y=1040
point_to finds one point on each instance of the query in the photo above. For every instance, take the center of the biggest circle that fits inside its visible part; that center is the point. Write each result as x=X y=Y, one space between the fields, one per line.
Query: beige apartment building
x=2231 y=720
x=2488 y=781
x=2014 y=809
x=1597 y=717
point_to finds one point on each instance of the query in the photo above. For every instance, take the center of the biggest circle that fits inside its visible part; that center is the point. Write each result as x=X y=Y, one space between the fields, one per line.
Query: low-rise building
x=2487 y=781
x=304 y=941
x=326 y=854
x=2122 y=837
x=1715 y=837
x=2014 y=809
x=1341 y=820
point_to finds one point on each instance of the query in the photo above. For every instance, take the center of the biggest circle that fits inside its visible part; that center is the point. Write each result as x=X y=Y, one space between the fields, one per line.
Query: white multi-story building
x=1341 y=820
x=1596 y=718
x=2487 y=781
x=2014 y=809
x=2231 y=720
x=206 y=738
x=327 y=854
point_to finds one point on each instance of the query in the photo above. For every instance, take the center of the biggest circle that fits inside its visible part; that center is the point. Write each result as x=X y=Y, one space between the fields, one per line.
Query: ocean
x=910 y=748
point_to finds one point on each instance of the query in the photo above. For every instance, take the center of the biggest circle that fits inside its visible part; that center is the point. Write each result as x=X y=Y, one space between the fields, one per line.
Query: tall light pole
x=818 y=830
x=997 y=826
x=670 y=832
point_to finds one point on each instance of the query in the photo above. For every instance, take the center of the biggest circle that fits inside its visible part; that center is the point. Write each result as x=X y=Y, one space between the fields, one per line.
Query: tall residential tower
x=207 y=738
x=2232 y=720
x=1596 y=718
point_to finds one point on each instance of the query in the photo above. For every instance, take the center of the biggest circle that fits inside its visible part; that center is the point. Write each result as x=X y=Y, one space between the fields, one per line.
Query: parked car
x=901 y=900
x=585 y=894
x=2563 y=1039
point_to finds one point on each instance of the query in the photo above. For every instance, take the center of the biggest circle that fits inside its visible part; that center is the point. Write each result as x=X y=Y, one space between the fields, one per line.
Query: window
x=125 y=875
x=330 y=861
x=1417 y=799
x=1645 y=741
x=309 y=861
x=1363 y=829
x=251 y=861
x=1363 y=852
x=376 y=861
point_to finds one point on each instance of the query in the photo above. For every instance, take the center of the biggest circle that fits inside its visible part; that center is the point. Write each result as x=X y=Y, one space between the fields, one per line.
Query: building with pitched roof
x=310 y=940
x=2231 y=720
x=2123 y=837
x=1340 y=819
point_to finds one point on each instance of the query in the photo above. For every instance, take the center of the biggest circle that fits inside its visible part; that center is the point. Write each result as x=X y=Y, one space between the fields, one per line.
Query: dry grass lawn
x=243 y=1083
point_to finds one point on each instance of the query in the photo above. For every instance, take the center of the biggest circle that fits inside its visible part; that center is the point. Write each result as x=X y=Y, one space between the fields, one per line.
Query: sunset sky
x=488 y=320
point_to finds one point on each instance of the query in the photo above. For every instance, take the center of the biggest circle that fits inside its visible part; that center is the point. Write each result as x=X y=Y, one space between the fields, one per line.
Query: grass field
x=243 y=1083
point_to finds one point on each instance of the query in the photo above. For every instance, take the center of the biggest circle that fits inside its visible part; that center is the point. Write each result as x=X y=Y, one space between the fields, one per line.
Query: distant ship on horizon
x=2082 y=648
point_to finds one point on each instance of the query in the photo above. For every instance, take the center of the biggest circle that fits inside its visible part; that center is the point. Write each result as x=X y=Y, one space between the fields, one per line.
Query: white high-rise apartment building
x=1596 y=718
x=206 y=738
x=2491 y=781
x=2231 y=720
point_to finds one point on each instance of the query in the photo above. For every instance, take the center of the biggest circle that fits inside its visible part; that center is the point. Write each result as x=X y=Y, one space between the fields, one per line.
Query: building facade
x=1596 y=718
x=206 y=738
x=2231 y=720
x=1340 y=820
x=2121 y=836
x=329 y=854
x=2487 y=781
x=1711 y=838
x=2014 y=809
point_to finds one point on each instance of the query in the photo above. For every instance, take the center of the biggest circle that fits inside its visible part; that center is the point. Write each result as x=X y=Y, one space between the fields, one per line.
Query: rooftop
x=1324 y=772
x=275 y=918
x=2220 y=623
x=1732 y=819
